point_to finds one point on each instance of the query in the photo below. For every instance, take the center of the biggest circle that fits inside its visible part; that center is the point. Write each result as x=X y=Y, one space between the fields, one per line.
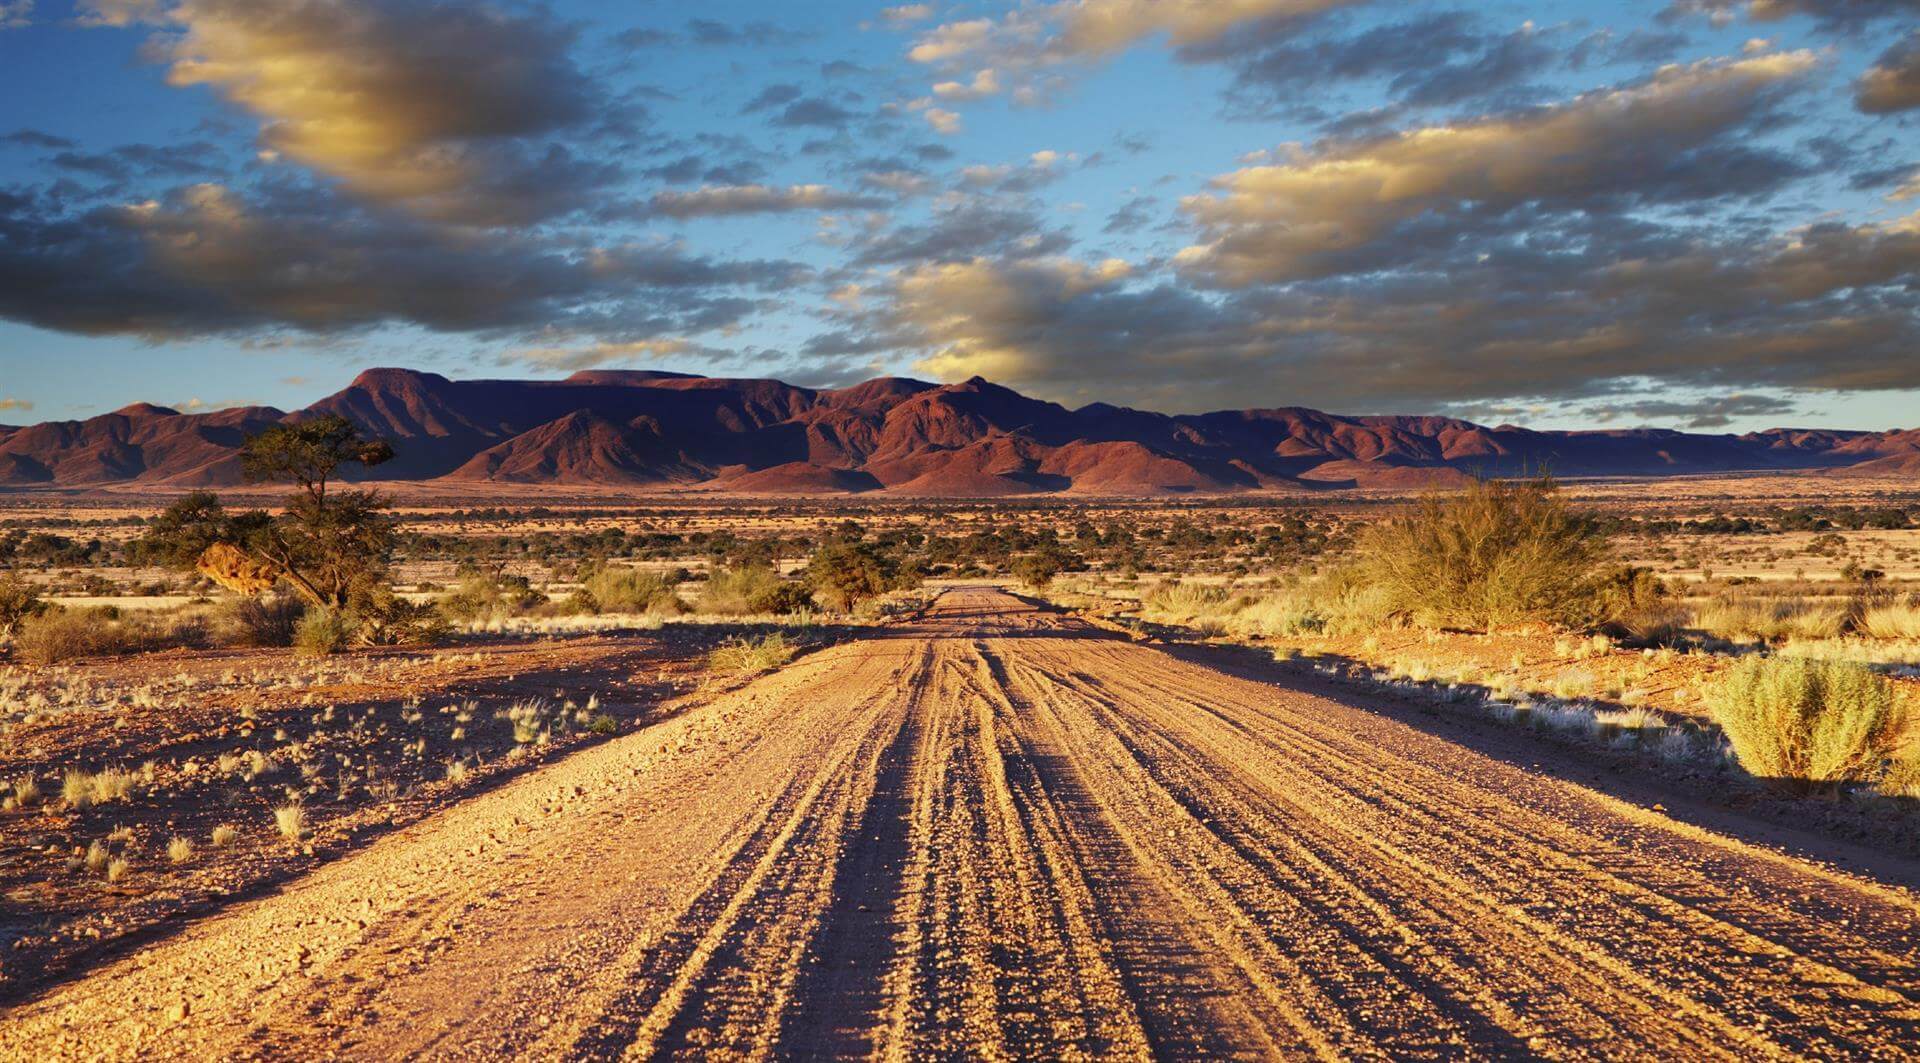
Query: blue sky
x=1696 y=214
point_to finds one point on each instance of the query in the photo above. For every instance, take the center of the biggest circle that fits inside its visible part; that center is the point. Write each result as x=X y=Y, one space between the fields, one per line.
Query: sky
x=1698 y=214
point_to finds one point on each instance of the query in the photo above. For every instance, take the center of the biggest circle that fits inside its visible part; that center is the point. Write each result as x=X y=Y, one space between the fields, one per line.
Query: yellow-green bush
x=1495 y=553
x=1809 y=722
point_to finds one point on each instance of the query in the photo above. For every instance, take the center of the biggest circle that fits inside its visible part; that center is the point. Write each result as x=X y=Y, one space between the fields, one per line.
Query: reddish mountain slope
x=647 y=429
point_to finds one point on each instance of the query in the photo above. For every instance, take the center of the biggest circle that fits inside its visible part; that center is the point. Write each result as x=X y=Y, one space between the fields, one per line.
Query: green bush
x=322 y=632
x=1037 y=570
x=1495 y=553
x=844 y=574
x=1809 y=723
x=631 y=590
x=749 y=589
x=489 y=595
x=382 y=618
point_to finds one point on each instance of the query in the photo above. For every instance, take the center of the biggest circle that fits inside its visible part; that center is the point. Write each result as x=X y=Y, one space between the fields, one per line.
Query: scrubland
x=748 y=688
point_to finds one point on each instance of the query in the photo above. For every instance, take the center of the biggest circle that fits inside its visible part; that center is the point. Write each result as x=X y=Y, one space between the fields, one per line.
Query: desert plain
x=1140 y=800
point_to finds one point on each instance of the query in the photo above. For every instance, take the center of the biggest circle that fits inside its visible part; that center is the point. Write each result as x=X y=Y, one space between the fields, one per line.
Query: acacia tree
x=329 y=544
x=18 y=600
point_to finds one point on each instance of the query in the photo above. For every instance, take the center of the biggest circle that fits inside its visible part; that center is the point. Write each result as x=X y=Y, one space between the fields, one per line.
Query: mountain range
x=649 y=430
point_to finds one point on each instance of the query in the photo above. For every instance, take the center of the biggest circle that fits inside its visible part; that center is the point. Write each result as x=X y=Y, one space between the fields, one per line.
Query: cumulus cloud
x=1030 y=39
x=11 y=405
x=207 y=260
x=815 y=112
x=15 y=14
x=449 y=110
x=943 y=121
x=905 y=14
x=985 y=83
x=34 y=138
x=712 y=34
x=1097 y=28
x=1329 y=209
x=723 y=200
x=1893 y=82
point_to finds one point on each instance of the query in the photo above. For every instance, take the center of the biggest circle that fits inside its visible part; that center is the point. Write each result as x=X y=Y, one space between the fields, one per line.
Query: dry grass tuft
x=290 y=820
x=740 y=657
x=1897 y=621
x=1770 y=620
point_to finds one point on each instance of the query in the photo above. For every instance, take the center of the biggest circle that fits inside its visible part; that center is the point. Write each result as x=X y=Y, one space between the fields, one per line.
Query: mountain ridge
x=974 y=438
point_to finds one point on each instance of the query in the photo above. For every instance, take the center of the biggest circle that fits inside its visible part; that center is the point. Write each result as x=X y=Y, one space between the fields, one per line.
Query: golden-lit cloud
x=1591 y=311
x=1017 y=51
x=1892 y=83
x=1086 y=29
x=596 y=355
x=441 y=108
x=1307 y=215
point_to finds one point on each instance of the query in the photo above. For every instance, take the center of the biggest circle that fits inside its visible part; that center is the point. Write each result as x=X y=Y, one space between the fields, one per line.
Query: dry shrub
x=321 y=632
x=1903 y=775
x=740 y=657
x=1651 y=625
x=1807 y=722
x=1495 y=553
x=1187 y=602
x=753 y=589
x=264 y=622
x=18 y=601
x=488 y=595
x=631 y=590
x=65 y=634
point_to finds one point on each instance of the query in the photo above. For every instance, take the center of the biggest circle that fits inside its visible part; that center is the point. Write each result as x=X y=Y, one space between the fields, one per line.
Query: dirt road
x=996 y=832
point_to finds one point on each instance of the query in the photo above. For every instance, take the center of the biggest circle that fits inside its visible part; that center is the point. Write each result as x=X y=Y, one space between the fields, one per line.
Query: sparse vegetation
x=290 y=820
